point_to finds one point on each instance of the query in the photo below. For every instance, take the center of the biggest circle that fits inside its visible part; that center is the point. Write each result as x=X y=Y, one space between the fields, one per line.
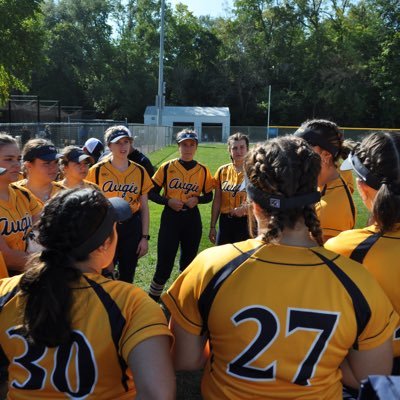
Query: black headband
x=364 y=173
x=102 y=232
x=278 y=202
x=314 y=137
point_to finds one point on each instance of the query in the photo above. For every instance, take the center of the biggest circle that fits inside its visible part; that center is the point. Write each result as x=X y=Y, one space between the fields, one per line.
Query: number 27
x=268 y=329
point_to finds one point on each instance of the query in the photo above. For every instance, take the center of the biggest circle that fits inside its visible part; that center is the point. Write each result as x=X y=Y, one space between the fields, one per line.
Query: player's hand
x=240 y=211
x=175 y=204
x=212 y=235
x=142 y=248
x=192 y=202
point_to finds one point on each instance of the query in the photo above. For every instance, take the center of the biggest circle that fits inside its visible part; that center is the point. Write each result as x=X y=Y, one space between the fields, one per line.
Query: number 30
x=86 y=366
x=268 y=329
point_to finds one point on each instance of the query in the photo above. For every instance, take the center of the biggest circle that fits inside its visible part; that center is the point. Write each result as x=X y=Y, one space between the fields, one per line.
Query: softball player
x=185 y=183
x=376 y=163
x=336 y=210
x=18 y=207
x=117 y=176
x=41 y=166
x=274 y=317
x=94 y=148
x=75 y=165
x=69 y=332
x=230 y=196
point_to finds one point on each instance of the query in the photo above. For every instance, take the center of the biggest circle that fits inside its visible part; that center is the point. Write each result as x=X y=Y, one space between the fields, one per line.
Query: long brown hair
x=285 y=166
x=67 y=220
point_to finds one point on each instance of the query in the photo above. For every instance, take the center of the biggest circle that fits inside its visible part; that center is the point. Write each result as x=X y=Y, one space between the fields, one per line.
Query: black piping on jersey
x=117 y=324
x=207 y=297
x=164 y=183
x=97 y=174
x=358 y=254
x=3 y=300
x=8 y=296
x=360 y=304
x=350 y=198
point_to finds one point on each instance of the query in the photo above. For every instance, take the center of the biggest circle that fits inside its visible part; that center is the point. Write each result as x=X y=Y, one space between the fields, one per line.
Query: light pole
x=160 y=95
x=269 y=109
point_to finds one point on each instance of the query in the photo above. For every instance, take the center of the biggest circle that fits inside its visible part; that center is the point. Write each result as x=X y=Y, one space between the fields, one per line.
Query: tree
x=21 y=38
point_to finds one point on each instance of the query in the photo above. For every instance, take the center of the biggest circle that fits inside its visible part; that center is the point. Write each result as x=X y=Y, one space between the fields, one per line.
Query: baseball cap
x=186 y=135
x=92 y=143
x=118 y=211
x=119 y=133
x=352 y=162
x=78 y=155
x=45 y=153
x=315 y=137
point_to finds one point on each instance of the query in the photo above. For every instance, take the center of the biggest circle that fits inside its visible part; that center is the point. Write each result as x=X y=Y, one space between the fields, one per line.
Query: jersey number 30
x=86 y=367
x=268 y=329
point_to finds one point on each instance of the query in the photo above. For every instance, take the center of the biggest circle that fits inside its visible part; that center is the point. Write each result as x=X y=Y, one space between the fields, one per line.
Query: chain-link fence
x=147 y=138
x=261 y=133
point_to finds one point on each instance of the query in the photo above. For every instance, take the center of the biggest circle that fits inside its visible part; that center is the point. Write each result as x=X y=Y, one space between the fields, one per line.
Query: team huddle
x=291 y=302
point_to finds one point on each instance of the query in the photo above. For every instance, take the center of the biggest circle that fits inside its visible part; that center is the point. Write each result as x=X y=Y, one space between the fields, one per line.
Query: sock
x=155 y=291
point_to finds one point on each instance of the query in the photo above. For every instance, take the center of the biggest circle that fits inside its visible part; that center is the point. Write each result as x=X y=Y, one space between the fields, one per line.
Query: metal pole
x=269 y=109
x=161 y=68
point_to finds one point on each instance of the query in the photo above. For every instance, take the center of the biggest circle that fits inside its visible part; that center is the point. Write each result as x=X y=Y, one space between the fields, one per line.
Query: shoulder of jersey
x=19 y=184
x=58 y=184
x=202 y=165
x=225 y=166
x=135 y=164
x=168 y=162
x=27 y=193
x=100 y=163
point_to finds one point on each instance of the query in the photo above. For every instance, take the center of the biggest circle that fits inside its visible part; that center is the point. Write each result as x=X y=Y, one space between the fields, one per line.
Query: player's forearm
x=155 y=196
x=144 y=214
x=206 y=198
x=215 y=208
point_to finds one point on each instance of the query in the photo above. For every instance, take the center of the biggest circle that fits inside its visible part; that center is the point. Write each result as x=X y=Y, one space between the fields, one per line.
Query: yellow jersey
x=179 y=183
x=232 y=185
x=109 y=318
x=380 y=255
x=280 y=319
x=55 y=188
x=16 y=216
x=129 y=184
x=336 y=209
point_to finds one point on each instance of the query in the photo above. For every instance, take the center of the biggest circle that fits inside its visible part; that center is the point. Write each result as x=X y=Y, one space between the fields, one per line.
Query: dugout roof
x=192 y=116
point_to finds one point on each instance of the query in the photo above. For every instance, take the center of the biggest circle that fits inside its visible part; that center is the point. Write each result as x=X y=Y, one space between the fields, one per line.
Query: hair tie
x=386 y=181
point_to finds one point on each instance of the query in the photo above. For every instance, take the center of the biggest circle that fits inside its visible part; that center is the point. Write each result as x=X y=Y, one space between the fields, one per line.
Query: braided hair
x=285 y=166
x=332 y=134
x=67 y=220
x=380 y=154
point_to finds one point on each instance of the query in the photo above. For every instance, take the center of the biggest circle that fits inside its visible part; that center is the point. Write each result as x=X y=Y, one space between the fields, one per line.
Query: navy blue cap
x=78 y=155
x=45 y=153
x=186 y=135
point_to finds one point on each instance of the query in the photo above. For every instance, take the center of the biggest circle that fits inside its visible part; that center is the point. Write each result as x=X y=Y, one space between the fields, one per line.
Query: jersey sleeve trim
x=361 y=307
x=117 y=323
x=358 y=254
x=208 y=295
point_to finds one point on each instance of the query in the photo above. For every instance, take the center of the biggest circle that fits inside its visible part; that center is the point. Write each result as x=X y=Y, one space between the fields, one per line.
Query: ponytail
x=47 y=290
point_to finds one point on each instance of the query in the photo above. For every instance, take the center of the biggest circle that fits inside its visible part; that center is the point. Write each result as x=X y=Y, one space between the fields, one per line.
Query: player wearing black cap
x=336 y=210
x=185 y=184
